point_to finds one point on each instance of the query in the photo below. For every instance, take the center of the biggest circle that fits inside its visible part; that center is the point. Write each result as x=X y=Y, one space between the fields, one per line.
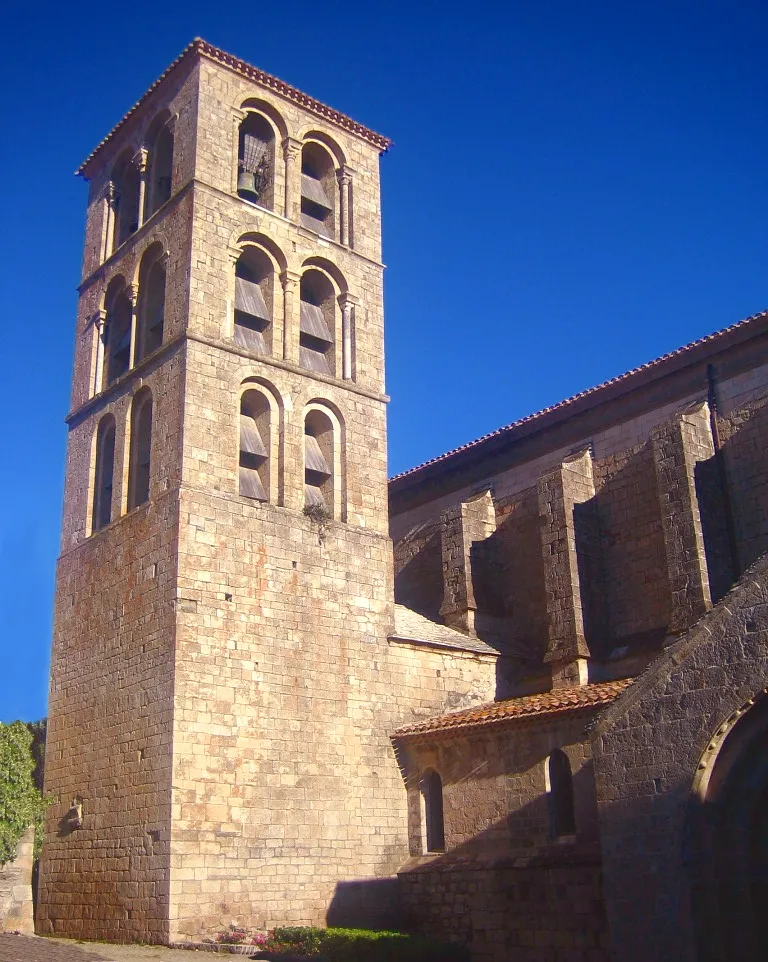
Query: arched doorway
x=727 y=852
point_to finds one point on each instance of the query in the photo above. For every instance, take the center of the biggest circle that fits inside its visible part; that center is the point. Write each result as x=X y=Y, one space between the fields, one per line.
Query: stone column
x=347 y=304
x=292 y=155
x=461 y=526
x=133 y=294
x=238 y=116
x=140 y=161
x=290 y=281
x=344 y=178
x=677 y=446
x=99 y=324
x=109 y=238
x=558 y=493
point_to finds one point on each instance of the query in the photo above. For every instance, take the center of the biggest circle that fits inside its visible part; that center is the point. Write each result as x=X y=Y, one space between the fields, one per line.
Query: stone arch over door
x=727 y=839
x=652 y=750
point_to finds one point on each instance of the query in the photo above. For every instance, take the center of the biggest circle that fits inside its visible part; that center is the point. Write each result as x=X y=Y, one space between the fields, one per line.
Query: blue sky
x=574 y=189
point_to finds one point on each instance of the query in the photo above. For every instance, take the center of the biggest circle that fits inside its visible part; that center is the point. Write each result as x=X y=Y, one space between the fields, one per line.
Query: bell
x=246 y=182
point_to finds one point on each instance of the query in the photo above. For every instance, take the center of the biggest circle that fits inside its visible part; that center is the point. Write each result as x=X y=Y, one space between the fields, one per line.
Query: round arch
x=312 y=135
x=253 y=105
x=331 y=271
x=241 y=240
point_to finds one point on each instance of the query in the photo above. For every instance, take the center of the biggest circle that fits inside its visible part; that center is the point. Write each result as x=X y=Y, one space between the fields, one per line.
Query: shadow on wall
x=366 y=904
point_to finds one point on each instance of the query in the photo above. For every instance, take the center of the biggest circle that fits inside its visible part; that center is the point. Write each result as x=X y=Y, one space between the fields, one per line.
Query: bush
x=21 y=802
x=364 y=945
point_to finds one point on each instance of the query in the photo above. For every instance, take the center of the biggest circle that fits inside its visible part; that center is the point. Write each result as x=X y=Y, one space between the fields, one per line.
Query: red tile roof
x=704 y=345
x=558 y=702
x=204 y=49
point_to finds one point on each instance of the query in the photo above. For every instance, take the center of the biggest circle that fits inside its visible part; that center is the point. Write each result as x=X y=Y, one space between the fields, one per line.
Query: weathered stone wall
x=16 y=911
x=505 y=885
x=529 y=912
x=649 y=747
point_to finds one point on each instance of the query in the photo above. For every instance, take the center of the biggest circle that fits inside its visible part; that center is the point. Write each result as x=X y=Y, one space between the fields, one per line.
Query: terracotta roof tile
x=205 y=49
x=549 y=703
x=709 y=341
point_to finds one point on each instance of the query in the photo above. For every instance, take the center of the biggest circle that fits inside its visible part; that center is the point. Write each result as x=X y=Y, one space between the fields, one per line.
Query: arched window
x=432 y=809
x=256 y=161
x=317 y=323
x=318 y=461
x=141 y=449
x=104 y=473
x=254 y=297
x=125 y=179
x=151 y=306
x=318 y=190
x=159 y=164
x=255 y=446
x=117 y=332
x=559 y=785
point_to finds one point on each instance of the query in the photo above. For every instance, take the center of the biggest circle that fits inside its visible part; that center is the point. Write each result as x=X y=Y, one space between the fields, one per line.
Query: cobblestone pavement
x=22 y=948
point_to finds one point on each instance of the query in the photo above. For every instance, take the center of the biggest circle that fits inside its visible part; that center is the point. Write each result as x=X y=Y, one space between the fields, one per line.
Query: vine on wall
x=21 y=801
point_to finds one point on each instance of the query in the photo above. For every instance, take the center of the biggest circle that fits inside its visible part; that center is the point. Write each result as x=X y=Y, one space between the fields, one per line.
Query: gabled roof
x=558 y=702
x=697 y=350
x=201 y=48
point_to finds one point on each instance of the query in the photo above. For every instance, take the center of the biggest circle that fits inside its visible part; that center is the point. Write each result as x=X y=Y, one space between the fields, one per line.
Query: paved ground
x=22 y=948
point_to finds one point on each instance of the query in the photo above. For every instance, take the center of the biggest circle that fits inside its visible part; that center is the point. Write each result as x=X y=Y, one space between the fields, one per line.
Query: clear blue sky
x=575 y=188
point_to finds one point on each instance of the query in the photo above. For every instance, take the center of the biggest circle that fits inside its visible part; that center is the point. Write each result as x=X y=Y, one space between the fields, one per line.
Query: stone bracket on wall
x=559 y=492
x=678 y=446
x=460 y=526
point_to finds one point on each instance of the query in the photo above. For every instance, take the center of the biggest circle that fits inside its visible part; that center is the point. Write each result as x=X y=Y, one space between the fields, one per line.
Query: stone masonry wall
x=109 y=732
x=16 y=914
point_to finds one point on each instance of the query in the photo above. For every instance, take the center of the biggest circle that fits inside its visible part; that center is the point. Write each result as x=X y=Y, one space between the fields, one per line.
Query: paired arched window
x=126 y=184
x=256 y=161
x=432 y=811
x=117 y=332
x=318 y=189
x=254 y=299
x=140 y=449
x=151 y=304
x=101 y=514
x=317 y=323
x=255 y=445
x=319 y=461
x=559 y=785
x=159 y=176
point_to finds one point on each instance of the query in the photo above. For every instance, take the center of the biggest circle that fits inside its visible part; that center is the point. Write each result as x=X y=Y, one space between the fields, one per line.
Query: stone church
x=515 y=696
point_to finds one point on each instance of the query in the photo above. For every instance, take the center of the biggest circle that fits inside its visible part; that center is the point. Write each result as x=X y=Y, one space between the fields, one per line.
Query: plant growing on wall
x=21 y=801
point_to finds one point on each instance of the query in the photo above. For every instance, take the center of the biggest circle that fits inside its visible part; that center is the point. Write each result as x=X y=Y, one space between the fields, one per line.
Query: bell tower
x=225 y=580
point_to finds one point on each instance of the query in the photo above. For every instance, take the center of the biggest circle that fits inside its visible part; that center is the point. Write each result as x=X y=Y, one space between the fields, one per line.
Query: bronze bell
x=246 y=182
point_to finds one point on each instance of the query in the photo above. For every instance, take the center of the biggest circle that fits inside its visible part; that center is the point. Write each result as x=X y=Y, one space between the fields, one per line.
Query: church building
x=514 y=696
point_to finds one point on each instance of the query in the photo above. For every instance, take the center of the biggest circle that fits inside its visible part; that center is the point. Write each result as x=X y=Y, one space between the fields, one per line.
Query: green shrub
x=364 y=945
x=21 y=802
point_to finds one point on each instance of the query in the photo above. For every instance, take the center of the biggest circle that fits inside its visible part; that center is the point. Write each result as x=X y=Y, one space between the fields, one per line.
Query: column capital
x=347 y=300
x=139 y=160
x=110 y=193
x=132 y=290
x=291 y=147
x=289 y=279
x=233 y=253
x=344 y=176
x=238 y=115
x=99 y=318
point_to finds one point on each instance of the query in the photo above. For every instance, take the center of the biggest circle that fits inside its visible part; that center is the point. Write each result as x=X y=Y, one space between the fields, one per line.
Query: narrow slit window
x=104 y=474
x=559 y=784
x=255 y=428
x=432 y=807
x=141 y=449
